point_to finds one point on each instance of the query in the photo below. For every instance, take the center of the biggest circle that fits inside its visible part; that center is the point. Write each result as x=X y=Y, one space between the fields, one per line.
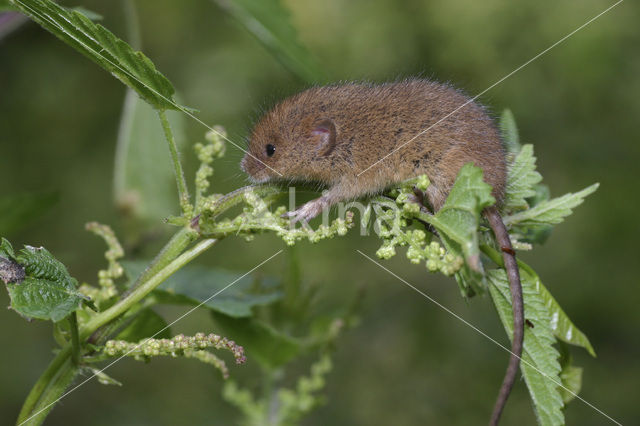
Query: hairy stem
x=103 y=333
x=143 y=289
x=42 y=384
x=178 y=243
x=183 y=192
x=75 y=341
x=61 y=380
x=492 y=254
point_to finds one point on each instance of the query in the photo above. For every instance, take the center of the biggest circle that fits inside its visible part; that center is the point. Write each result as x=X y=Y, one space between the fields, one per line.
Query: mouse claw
x=307 y=212
x=291 y=215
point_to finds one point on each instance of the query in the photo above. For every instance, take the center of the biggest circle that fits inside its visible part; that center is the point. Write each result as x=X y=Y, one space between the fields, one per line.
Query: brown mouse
x=359 y=139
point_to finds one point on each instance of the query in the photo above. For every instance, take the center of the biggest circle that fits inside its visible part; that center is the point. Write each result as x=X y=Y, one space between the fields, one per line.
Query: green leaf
x=270 y=23
x=561 y=326
x=572 y=380
x=145 y=324
x=570 y=375
x=509 y=131
x=539 y=364
x=94 y=16
x=459 y=217
x=542 y=193
x=550 y=212
x=262 y=342
x=223 y=291
x=101 y=46
x=39 y=263
x=6 y=249
x=103 y=378
x=17 y=210
x=48 y=292
x=537 y=234
x=143 y=177
x=521 y=179
x=45 y=299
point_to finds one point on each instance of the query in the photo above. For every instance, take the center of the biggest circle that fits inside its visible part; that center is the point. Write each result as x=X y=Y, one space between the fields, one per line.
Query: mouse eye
x=270 y=149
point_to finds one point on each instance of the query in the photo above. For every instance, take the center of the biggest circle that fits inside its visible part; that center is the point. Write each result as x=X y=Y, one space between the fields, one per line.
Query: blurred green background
x=408 y=362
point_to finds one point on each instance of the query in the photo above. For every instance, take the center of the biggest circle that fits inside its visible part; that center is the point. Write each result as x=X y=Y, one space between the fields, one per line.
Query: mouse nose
x=251 y=165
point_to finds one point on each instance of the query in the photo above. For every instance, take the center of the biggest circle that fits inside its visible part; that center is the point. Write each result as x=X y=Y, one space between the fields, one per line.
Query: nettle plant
x=275 y=319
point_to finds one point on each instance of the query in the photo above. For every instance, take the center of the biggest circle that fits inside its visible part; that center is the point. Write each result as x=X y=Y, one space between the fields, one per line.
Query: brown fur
x=371 y=121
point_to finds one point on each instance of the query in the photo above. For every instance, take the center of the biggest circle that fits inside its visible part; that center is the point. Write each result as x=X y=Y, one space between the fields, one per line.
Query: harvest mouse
x=359 y=139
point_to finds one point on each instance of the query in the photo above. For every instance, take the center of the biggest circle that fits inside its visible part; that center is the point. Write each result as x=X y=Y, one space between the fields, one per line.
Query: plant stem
x=61 y=380
x=183 y=192
x=143 y=289
x=492 y=254
x=101 y=335
x=42 y=383
x=270 y=398
x=75 y=341
x=48 y=387
x=176 y=245
x=497 y=259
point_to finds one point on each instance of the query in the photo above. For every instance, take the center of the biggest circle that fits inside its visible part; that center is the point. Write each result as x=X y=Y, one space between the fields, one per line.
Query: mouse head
x=289 y=145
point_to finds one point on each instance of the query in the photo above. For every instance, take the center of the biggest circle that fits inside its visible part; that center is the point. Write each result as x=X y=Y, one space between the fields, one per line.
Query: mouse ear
x=324 y=134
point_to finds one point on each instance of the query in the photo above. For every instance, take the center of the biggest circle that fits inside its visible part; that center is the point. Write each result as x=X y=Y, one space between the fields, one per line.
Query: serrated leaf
x=542 y=193
x=94 y=16
x=561 y=326
x=539 y=363
x=195 y=284
x=16 y=211
x=101 y=46
x=522 y=178
x=550 y=212
x=270 y=23
x=509 y=131
x=45 y=299
x=143 y=177
x=540 y=233
x=270 y=347
x=459 y=217
x=39 y=263
x=145 y=324
x=47 y=292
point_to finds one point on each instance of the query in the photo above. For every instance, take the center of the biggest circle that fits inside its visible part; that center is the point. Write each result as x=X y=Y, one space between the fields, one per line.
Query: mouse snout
x=253 y=167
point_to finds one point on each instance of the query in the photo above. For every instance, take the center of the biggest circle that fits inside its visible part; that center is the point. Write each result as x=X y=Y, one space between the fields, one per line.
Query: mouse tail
x=513 y=274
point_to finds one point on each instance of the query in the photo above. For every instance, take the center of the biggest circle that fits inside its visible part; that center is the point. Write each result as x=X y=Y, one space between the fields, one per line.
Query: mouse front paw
x=307 y=212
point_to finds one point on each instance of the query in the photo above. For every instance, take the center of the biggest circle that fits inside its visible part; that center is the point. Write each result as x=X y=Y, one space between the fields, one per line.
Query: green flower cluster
x=395 y=221
x=215 y=148
x=106 y=277
x=257 y=217
x=179 y=345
